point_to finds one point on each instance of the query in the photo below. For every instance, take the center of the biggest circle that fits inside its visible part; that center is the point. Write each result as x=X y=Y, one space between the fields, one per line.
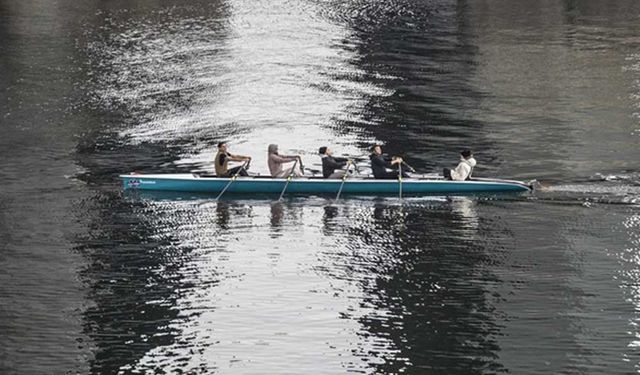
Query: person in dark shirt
x=380 y=164
x=330 y=164
x=222 y=160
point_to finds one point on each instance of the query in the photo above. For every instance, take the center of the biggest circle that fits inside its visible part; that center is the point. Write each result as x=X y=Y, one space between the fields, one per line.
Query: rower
x=381 y=164
x=275 y=161
x=222 y=159
x=330 y=164
x=463 y=170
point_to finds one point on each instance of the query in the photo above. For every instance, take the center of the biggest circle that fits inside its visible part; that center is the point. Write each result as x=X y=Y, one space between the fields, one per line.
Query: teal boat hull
x=366 y=186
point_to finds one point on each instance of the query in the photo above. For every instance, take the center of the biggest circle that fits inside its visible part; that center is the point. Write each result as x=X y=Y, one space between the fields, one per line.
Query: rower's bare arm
x=239 y=158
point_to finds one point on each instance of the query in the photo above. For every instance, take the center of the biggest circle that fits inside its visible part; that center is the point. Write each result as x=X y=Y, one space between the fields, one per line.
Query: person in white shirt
x=463 y=170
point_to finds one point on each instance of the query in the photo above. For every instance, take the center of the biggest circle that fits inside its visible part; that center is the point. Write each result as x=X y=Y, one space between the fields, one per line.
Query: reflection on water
x=93 y=280
x=238 y=74
x=197 y=265
x=631 y=256
x=277 y=213
x=375 y=285
x=132 y=283
x=416 y=266
x=222 y=214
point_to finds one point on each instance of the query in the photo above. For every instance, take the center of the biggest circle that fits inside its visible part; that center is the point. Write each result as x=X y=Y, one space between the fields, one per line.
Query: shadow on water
x=423 y=272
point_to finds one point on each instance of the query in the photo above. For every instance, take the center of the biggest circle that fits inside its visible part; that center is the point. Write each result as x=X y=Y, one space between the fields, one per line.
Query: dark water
x=96 y=281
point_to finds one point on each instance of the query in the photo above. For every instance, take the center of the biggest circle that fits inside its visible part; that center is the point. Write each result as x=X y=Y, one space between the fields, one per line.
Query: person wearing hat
x=222 y=159
x=330 y=164
x=463 y=170
x=381 y=164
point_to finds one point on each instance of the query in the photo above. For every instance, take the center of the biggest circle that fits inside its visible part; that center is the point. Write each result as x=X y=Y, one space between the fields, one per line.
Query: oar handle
x=293 y=169
x=243 y=166
x=346 y=171
x=408 y=166
x=355 y=166
x=400 y=180
x=344 y=178
x=301 y=165
x=233 y=178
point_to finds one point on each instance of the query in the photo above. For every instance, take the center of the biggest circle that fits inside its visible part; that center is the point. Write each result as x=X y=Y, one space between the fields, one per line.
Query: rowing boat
x=316 y=185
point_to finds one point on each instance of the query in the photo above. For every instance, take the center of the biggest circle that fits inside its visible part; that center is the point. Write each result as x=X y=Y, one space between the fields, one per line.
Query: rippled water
x=95 y=280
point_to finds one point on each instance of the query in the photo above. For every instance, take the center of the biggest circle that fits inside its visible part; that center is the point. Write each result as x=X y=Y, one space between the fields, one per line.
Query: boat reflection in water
x=277 y=213
x=409 y=278
x=416 y=265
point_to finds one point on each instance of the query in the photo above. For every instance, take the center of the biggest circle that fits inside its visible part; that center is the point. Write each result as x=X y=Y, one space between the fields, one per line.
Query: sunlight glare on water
x=271 y=75
x=97 y=280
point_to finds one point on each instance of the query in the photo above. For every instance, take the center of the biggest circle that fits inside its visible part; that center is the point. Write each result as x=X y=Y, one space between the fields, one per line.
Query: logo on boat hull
x=133 y=183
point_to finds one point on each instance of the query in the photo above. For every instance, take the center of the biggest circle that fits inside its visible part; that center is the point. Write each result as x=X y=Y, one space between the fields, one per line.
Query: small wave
x=631 y=177
x=595 y=189
x=599 y=188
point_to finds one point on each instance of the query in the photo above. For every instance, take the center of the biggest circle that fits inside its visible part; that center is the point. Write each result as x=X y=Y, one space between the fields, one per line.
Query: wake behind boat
x=428 y=184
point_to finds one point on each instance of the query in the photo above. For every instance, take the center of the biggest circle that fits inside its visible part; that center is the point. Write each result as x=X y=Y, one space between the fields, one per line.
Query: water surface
x=95 y=280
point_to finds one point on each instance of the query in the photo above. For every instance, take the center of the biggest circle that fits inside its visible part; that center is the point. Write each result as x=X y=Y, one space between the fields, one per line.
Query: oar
x=344 y=178
x=408 y=166
x=301 y=165
x=355 y=166
x=400 y=180
x=288 y=179
x=235 y=176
